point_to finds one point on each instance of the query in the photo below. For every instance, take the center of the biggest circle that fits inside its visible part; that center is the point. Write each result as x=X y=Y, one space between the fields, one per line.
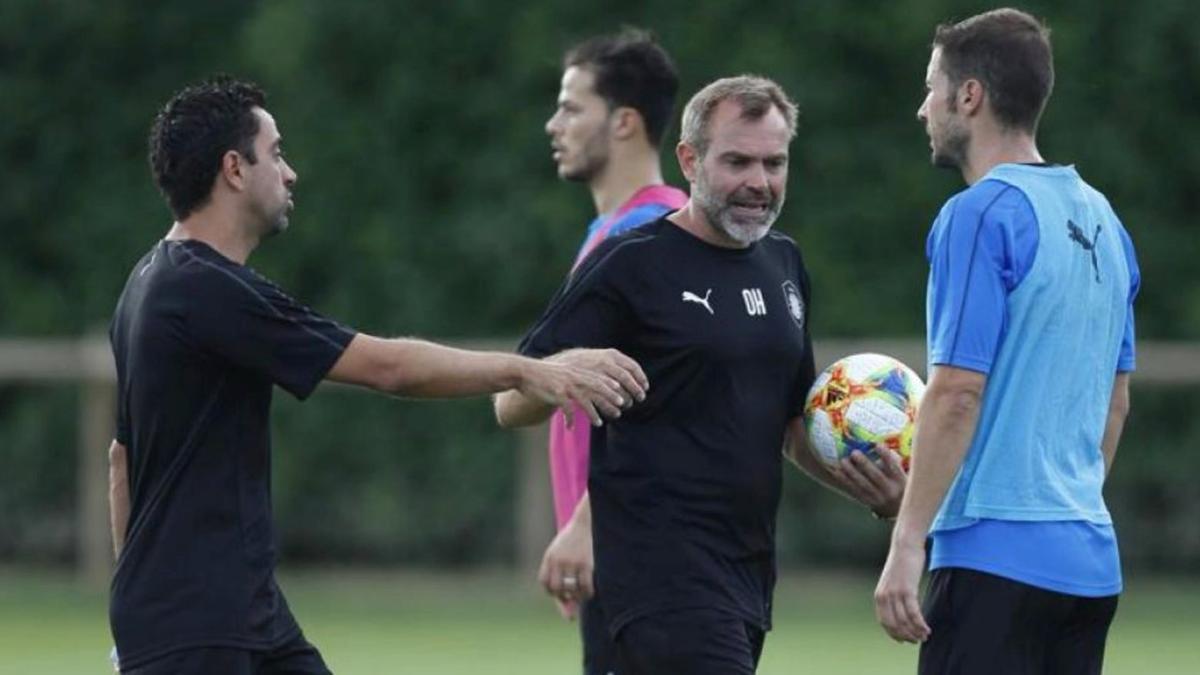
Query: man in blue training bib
x=1031 y=342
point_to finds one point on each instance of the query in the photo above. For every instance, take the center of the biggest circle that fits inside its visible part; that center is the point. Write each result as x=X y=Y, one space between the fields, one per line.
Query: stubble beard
x=593 y=160
x=718 y=211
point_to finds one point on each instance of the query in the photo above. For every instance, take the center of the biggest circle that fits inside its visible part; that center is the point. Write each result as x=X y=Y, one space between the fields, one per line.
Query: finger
x=587 y=587
x=869 y=469
x=634 y=370
x=585 y=404
x=630 y=390
x=859 y=484
x=567 y=609
x=544 y=576
x=606 y=388
x=568 y=411
x=900 y=627
x=892 y=463
x=918 y=629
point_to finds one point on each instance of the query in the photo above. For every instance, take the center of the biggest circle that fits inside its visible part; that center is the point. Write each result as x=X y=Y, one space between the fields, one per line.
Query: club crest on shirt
x=795 y=303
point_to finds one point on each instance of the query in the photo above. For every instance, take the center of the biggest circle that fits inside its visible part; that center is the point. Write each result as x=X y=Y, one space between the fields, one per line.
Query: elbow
x=502 y=419
x=391 y=379
x=959 y=400
x=504 y=408
x=116 y=459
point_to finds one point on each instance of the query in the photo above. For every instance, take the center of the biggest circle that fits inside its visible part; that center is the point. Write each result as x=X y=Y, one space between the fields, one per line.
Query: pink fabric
x=570 y=448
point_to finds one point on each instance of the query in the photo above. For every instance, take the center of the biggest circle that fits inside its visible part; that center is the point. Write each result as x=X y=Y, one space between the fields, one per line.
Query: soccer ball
x=861 y=402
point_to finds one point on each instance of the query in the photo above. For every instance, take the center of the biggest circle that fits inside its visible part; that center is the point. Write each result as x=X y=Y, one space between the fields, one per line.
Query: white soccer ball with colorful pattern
x=862 y=402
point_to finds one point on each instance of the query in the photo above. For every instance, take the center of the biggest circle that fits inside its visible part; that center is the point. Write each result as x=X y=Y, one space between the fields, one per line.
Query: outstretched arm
x=946 y=423
x=408 y=367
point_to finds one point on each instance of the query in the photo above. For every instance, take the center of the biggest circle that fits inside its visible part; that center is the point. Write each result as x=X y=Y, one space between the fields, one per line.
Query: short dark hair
x=194 y=130
x=1009 y=52
x=631 y=70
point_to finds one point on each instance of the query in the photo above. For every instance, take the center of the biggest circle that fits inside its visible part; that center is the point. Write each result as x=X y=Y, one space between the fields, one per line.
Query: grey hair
x=756 y=95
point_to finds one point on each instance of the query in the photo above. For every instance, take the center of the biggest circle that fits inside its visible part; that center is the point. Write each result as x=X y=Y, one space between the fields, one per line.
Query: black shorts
x=984 y=624
x=695 y=642
x=296 y=657
x=599 y=648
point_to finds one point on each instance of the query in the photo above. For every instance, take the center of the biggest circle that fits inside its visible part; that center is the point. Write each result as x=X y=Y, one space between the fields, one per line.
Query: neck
x=625 y=174
x=692 y=220
x=218 y=228
x=999 y=147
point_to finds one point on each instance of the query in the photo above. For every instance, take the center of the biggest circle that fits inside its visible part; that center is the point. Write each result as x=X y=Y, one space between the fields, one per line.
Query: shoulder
x=219 y=283
x=782 y=245
x=619 y=251
x=989 y=200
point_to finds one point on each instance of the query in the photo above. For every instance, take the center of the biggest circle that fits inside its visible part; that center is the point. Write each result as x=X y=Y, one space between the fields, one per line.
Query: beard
x=950 y=151
x=950 y=142
x=593 y=159
x=722 y=211
x=273 y=222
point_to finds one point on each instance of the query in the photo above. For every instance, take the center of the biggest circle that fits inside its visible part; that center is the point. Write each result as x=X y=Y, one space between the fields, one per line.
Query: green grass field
x=366 y=622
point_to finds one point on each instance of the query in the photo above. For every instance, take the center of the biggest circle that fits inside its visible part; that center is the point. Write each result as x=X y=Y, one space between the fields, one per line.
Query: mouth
x=750 y=210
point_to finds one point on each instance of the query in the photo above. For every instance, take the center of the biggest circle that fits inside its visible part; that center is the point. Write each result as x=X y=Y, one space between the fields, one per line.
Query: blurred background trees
x=427 y=204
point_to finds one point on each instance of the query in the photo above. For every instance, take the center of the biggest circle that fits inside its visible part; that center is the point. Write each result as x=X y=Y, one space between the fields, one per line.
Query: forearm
x=118 y=495
x=515 y=409
x=409 y=367
x=582 y=516
x=429 y=370
x=945 y=426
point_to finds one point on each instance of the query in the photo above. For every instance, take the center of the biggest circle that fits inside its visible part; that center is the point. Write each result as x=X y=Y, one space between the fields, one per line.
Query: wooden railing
x=88 y=362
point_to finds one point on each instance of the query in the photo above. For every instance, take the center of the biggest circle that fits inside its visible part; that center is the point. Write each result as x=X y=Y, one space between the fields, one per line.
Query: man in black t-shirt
x=200 y=340
x=685 y=485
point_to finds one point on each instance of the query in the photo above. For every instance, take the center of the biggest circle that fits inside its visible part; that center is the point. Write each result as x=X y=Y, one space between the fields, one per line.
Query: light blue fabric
x=1075 y=557
x=1058 y=341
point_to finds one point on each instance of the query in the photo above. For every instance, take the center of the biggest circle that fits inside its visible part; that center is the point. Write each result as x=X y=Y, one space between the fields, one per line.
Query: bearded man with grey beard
x=684 y=484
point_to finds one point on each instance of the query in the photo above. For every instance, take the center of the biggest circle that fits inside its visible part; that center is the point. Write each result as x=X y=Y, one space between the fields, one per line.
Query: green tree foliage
x=427 y=202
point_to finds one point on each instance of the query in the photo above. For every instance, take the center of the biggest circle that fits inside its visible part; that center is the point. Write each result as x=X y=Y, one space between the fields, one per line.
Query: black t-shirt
x=199 y=342
x=685 y=485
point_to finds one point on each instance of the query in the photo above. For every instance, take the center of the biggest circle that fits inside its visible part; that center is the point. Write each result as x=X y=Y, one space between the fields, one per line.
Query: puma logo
x=1078 y=237
x=689 y=296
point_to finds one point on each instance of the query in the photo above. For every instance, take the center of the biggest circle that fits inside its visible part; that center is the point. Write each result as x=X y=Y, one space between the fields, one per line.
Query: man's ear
x=626 y=123
x=233 y=170
x=970 y=96
x=687 y=157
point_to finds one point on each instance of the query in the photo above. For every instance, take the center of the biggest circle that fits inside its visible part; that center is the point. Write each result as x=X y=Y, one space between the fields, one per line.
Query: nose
x=289 y=175
x=552 y=124
x=756 y=178
x=921 y=111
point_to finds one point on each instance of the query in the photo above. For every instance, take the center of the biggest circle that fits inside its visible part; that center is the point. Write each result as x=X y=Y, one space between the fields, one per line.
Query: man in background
x=616 y=102
x=1031 y=342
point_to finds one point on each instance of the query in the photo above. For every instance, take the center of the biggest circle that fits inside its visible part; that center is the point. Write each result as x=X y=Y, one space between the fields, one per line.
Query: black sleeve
x=808 y=370
x=251 y=322
x=589 y=310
